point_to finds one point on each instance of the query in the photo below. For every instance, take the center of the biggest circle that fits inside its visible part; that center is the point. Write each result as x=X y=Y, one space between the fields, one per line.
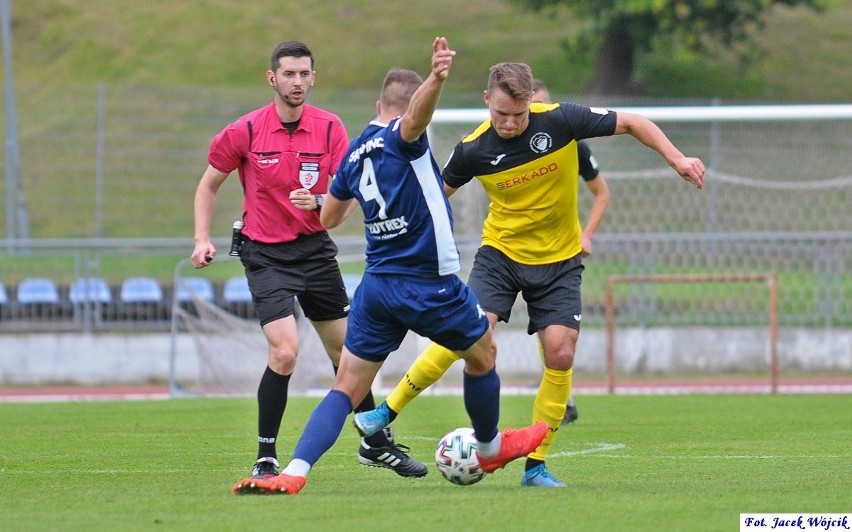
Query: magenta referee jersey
x=272 y=162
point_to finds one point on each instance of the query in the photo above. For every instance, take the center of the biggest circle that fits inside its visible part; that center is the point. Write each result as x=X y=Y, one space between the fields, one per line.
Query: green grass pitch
x=689 y=462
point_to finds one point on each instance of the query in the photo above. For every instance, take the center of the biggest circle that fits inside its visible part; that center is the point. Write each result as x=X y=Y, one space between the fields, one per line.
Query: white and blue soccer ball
x=456 y=457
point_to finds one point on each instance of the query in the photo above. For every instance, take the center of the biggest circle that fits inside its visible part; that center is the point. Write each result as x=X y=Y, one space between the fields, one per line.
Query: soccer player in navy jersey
x=410 y=280
x=525 y=155
x=285 y=154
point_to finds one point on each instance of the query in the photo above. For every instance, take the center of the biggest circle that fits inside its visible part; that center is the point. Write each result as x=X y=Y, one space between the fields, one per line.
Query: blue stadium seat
x=141 y=290
x=4 y=303
x=38 y=290
x=236 y=290
x=236 y=297
x=200 y=287
x=142 y=300
x=87 y=289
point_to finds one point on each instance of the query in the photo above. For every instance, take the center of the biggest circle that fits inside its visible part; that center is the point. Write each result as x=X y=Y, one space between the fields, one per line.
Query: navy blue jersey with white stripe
x=408 y=221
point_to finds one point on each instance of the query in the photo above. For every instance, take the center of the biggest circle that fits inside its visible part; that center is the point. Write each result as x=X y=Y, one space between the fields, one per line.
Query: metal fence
x=815 y=289
x=108 y=175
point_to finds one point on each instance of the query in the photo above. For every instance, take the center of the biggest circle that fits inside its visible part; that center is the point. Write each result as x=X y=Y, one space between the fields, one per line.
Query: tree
x=620 y=30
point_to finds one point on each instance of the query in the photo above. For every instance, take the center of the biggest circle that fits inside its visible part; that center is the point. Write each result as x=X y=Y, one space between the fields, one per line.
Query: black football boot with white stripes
x=392 y=456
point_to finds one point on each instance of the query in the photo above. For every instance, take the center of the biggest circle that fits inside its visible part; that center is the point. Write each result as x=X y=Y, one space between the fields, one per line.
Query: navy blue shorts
x=552 y=291
x=386 y=307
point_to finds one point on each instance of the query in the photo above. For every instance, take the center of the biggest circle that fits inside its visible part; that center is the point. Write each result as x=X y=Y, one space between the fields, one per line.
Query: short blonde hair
x=515 y=79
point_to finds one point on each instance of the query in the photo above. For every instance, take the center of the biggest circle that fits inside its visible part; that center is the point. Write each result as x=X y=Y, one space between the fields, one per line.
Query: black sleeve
x=588 y=164
x=587 y=122
x=455 y=172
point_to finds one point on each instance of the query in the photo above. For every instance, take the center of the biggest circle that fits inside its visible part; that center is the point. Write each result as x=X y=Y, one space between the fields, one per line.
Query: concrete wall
x=92 y=359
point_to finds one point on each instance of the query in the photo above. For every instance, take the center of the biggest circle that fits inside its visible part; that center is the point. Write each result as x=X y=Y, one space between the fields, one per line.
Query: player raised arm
x=689 y=168
x=425 y=99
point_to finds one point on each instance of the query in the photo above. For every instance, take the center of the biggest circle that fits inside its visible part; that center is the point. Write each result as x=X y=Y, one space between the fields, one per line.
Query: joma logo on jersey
x=386 y=226
x=541 y=142
x=367 y=147
x=526 y=178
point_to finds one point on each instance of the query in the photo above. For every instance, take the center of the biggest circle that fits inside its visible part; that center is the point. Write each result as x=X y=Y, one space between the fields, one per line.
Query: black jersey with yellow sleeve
x=531 y=180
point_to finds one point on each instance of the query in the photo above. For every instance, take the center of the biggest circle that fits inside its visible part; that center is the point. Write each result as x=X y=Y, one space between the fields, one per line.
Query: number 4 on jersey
x=369 y=189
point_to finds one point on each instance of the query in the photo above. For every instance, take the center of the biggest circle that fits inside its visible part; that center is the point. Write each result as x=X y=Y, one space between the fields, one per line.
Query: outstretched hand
x=442 y=58
x=691 y=169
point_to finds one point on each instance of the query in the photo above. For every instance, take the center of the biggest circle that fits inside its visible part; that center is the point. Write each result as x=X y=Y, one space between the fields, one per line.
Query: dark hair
x=289 y=49
x=538 y=85
x=398 y=87
x=515 y=79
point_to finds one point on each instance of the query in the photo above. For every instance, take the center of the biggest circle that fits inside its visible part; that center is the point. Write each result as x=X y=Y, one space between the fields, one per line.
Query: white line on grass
x=598 y=448
x=705 y=457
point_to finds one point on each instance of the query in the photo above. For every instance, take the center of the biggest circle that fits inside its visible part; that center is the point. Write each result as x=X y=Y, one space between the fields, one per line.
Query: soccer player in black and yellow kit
x=525 y=156
x=599 y=188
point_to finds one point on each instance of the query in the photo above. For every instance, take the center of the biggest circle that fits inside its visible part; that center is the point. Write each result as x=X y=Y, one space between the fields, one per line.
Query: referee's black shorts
x=305 y=268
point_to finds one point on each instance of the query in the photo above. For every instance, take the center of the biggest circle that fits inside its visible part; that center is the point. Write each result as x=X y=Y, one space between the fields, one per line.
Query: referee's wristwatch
x=318 y=198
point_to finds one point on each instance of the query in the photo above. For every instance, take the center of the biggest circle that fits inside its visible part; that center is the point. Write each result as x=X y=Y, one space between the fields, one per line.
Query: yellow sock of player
x=549 y=405
x=433 y=362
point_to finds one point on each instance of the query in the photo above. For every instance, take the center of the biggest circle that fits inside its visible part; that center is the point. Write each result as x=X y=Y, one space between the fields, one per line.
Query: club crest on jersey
x=541 y=142
x=308 y=174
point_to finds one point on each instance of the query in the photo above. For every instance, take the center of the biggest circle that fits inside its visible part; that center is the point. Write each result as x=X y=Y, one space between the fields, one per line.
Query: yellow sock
x=549 y=405
x=433 y=362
